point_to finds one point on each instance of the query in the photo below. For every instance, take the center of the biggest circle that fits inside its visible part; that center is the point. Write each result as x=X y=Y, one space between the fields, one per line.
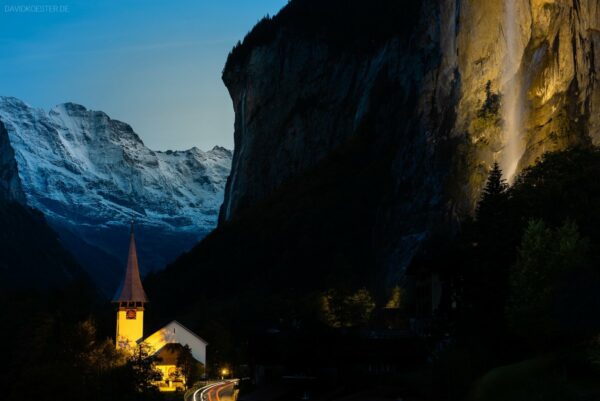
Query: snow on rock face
x=88 y=172
x=10 y=184
x=82 y=166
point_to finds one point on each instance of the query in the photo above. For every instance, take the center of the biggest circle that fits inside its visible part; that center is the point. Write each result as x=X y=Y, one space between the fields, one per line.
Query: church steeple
x=131 y=298
x=131 y=289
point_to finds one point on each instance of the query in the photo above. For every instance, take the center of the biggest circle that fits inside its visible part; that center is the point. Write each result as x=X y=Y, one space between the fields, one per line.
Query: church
x=162 y=344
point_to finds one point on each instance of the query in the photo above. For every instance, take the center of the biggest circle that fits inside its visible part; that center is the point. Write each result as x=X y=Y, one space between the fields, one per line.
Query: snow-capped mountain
x=90 y=175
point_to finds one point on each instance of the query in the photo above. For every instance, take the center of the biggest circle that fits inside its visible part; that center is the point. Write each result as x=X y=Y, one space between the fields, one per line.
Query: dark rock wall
x=418 y=94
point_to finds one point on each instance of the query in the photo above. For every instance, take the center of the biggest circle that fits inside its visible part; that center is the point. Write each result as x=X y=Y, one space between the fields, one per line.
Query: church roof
x=176 y=333
x=131 y=289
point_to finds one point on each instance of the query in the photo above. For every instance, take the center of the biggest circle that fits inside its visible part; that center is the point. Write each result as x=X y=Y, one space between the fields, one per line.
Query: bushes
x=489 y=114
x=526 y=278
x=524 y=227
x=347 y=310
x=547 y=260
x=54 y=353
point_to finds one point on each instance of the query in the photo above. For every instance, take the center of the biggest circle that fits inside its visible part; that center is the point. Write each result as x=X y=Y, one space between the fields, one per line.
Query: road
x=221 y=391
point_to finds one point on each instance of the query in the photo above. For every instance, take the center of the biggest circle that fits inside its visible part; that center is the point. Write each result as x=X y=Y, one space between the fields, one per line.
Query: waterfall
x=512 y=102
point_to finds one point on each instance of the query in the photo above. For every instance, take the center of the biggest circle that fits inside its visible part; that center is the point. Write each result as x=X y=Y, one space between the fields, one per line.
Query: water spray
x=512 y=103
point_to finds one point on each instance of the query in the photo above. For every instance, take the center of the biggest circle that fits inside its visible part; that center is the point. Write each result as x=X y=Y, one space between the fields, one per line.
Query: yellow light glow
x=130 y=327
x=224 y=372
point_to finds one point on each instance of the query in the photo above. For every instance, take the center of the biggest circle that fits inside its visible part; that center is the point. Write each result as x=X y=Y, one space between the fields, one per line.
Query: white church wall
x=176 y=333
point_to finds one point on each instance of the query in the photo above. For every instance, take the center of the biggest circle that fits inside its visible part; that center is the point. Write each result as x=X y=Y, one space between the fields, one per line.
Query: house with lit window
x=165 y=343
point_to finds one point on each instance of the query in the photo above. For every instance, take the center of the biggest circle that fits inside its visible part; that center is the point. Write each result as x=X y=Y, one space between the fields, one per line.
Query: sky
x=155 y=65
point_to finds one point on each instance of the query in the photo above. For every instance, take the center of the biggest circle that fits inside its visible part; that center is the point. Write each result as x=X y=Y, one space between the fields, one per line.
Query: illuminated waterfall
x=512 y=102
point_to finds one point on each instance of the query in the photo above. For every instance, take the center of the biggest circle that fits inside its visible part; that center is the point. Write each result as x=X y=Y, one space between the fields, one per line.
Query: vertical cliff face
x=428 y=93
x=556 y=44
x=10 y=183
x=297 y=99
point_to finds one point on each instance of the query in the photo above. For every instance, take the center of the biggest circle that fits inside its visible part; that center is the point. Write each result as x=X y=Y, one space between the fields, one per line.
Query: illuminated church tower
x=131 y=299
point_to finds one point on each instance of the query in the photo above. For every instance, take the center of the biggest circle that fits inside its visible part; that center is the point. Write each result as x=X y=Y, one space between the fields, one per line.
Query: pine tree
x=494 y=197
x=485 y=274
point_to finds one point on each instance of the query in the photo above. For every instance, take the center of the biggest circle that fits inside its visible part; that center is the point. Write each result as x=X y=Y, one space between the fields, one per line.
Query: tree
x=482 y=277
x=347 y=310
x=492 y=104
x=547 y=260
x=92 y=355
x=494 y=197
x=143 y=370
x=396 y=299
x=188 y=365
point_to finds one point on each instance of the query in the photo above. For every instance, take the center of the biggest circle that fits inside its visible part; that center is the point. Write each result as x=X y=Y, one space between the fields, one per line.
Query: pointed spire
x=131 y=289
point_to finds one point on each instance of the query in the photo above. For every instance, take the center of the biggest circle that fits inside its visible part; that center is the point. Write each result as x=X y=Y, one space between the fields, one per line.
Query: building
x=131 y=299
x=165 y=343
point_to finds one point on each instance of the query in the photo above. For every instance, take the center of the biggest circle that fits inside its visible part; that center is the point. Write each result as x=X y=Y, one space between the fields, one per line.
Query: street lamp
x=224 y=372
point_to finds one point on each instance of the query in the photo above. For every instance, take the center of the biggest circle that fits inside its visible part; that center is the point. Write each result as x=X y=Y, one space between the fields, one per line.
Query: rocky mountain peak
x=90 y=175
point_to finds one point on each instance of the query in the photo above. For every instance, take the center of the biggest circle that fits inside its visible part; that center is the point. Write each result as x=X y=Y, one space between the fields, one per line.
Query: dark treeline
x=383 y=20
x=58 y=346
x=521 y=281
x=30 y=253
x=521 y=300
x=523 y=286
x=56 y=329
x=270 y=266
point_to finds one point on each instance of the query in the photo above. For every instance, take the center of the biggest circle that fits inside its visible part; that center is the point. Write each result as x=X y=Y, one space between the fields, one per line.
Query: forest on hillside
x=382 y=20
x=521 y=297
x=520 y=281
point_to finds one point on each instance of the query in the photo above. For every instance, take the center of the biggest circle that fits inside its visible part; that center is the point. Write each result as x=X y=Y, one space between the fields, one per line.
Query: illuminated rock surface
x=304 y=86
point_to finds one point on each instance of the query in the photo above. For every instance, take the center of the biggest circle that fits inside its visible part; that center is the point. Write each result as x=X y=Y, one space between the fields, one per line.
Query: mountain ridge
x=90 y=175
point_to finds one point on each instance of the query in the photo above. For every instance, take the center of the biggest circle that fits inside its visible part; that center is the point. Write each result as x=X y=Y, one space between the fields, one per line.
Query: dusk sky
x=153 y=64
